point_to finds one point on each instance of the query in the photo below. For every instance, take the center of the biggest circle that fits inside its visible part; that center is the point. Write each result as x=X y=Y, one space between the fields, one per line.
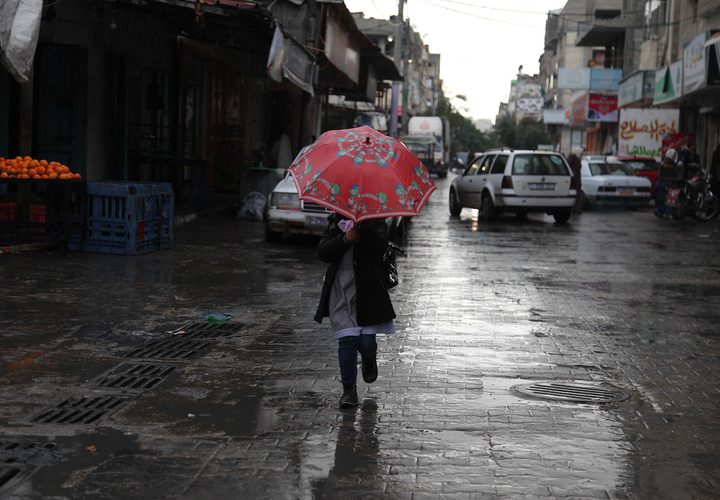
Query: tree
x=527 y=134
x=465 y=137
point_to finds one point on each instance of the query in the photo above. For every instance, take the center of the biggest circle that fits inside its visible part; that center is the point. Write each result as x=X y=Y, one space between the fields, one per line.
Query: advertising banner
x=602 y=108
x=579 y=110
x=668 y=83
x=574 y=78
x=556 y=117
x=641 y=131
x=694 y=64
x=605 y=79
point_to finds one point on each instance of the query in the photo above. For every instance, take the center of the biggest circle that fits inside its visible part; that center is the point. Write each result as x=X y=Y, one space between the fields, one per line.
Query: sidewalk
x=482 y=308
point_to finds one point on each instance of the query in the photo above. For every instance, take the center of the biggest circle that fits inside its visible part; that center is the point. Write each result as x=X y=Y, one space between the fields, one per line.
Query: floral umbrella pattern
x=362 y=174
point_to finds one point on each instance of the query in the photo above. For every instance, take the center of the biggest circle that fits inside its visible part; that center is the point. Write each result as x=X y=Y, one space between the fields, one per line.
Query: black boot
x=349 y=396
x=369 y=369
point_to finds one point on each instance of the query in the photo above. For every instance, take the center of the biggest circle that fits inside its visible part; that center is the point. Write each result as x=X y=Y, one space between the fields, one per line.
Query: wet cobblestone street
x=616 y=298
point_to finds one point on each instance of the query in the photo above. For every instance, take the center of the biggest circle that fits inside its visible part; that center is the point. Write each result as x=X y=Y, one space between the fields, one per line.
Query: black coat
x=373 y=301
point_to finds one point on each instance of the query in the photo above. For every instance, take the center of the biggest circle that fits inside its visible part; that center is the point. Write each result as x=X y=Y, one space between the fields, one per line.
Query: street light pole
x=397 y=54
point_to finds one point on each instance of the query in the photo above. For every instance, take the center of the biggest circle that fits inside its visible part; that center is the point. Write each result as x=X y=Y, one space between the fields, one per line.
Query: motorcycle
x=695 y=197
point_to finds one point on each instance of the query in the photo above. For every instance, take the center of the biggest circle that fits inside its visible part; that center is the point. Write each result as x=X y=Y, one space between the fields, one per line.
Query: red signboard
x=602 y=108
x=676 y=141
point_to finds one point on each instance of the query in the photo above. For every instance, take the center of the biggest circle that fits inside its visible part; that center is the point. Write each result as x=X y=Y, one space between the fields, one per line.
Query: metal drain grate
x=575 y=393
x=169 y=349
x=135 y=376
x=85 y=410
x=12 y=476
x=208 y=330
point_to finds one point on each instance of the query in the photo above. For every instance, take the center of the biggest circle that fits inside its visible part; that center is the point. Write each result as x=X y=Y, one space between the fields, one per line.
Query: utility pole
x=397 y=55
x=406 y=69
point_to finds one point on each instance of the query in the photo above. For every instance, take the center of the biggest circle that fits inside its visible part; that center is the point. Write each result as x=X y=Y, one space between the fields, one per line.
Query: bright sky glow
x=481 y=43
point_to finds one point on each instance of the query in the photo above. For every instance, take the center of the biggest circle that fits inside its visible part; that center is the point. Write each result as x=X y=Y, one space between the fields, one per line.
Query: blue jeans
x=348 y=348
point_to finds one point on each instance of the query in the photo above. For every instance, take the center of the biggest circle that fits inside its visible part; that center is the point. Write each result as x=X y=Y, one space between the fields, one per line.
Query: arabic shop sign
x=641 y=131
x=668 y=83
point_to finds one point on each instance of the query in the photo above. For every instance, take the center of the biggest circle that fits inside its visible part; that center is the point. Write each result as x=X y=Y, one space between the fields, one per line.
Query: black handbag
x=390 y=278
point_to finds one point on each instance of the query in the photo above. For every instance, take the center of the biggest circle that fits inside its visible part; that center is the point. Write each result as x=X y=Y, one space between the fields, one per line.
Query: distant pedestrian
x=353 y=296
x=576 y=166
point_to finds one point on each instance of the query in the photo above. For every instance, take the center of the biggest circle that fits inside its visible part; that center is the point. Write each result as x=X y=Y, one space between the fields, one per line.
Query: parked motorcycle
x=694 y=197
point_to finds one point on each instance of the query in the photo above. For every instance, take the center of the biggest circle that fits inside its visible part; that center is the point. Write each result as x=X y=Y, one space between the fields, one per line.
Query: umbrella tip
x=367 y=140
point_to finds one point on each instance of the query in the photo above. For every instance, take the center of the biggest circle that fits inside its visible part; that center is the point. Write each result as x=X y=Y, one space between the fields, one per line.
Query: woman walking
x=353 y=296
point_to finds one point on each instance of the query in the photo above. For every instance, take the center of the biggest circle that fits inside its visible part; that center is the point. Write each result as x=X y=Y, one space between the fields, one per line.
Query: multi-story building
x=565 y=73
x=666 y=53
x=422 y=86
x=526 y=99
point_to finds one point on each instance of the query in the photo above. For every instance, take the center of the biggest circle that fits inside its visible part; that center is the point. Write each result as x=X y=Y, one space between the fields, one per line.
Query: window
x=474 y=166
x=499 y=165
x=485 y=165
x=539 y=164
x=610 y=169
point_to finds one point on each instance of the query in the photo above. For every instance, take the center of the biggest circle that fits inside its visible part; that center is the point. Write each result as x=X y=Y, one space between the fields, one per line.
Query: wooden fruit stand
x=39 y=208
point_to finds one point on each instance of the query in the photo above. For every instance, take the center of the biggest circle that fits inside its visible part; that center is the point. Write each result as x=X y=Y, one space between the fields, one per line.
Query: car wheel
x=487 y=208
x=561 y=217
x=522 y=216
x=455 y=207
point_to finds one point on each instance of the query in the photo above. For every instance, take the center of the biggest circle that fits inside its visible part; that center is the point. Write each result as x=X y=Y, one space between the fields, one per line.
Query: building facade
x=651 y=77
x=198 y=93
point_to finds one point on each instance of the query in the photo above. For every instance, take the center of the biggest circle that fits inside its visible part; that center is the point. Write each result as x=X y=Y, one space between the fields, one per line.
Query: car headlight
x=285 y=201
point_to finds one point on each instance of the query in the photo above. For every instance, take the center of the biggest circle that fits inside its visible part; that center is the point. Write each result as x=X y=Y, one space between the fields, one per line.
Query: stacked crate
x=125 y=218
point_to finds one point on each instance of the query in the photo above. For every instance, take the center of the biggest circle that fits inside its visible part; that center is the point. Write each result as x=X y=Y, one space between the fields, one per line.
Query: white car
x=515 y=181
x=607 y=181
x=287 y=214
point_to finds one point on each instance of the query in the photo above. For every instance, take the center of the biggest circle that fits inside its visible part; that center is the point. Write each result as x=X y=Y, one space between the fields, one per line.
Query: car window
x=539 y=164
x=474 y=166
x=640 y=164
x=610 y=169
x=499 y=165
x=485 y=165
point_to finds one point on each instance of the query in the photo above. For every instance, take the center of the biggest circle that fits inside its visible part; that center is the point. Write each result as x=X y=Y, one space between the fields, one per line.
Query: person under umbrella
x=363 y=177
x=353 y=296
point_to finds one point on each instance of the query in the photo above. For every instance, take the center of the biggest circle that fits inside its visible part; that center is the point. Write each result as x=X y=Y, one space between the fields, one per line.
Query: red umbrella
x=362 y=174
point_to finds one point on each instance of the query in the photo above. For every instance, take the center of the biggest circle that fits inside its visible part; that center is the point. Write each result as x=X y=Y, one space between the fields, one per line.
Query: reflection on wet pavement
x=613 y=297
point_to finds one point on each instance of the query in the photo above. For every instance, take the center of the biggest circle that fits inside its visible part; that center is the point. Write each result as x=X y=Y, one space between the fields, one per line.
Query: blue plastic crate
x=126 y=218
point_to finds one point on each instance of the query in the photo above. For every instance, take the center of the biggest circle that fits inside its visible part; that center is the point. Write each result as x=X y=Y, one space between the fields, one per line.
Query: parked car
x=515 y=181
x=606 y=181
x=645 y=166
x=287 y=214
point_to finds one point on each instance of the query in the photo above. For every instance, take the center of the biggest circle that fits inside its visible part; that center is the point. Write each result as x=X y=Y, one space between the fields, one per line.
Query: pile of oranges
x=25 y=167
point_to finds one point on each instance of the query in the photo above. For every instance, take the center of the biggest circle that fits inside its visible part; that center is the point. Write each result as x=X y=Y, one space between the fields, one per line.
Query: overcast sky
x=481 y=43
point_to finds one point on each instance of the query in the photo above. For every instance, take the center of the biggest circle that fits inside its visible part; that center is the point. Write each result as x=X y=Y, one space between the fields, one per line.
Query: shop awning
x=288 y=59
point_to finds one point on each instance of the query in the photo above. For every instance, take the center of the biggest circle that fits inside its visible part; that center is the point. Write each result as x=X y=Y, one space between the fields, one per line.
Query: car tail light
x=507 y=182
